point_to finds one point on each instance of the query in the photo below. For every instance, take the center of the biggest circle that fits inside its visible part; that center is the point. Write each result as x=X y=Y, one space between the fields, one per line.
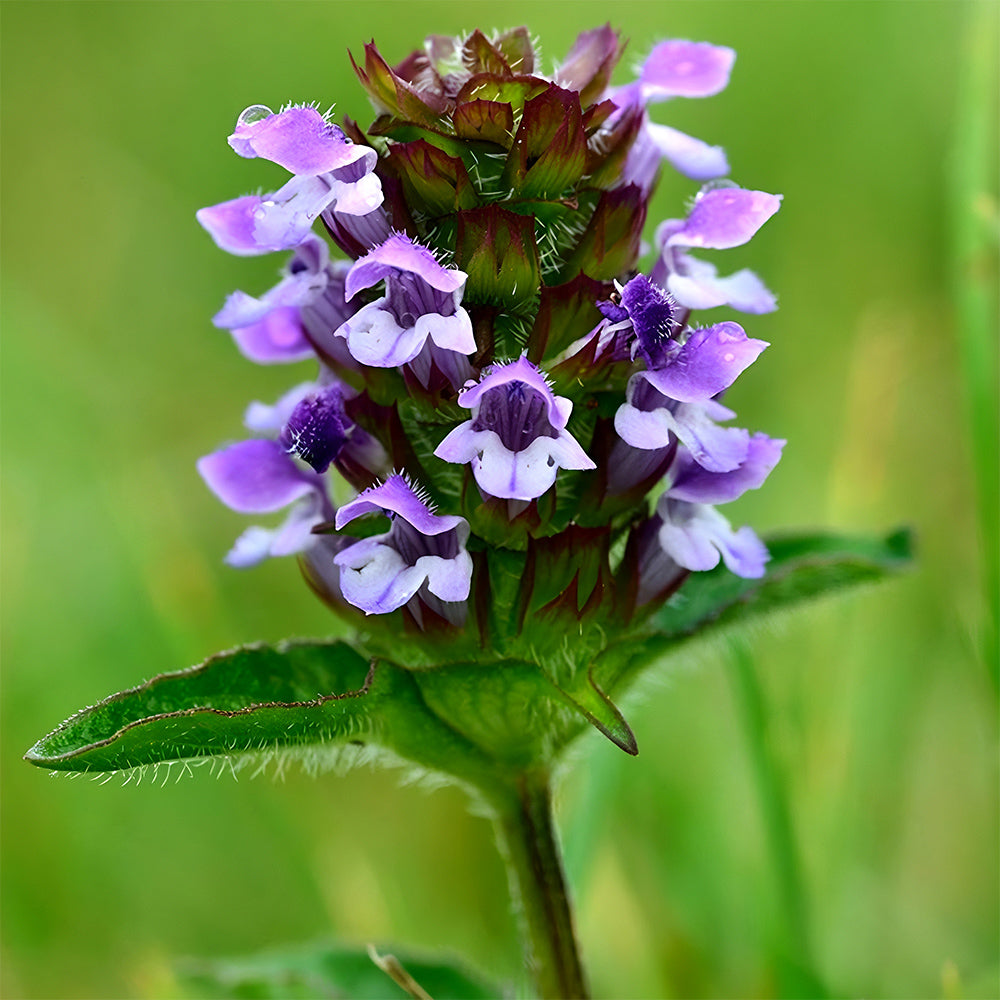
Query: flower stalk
x=528 y=843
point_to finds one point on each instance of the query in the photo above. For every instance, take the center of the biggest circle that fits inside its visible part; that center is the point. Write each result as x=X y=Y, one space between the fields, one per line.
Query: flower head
x=494 y=213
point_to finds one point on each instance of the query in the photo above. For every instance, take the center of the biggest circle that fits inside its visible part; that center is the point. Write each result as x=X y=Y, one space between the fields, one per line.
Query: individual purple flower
x=676 y=398
x=516 y=439
x=258 y=477
x=421 y=550
x=422 y=300
x=695 y=535
x=675 y=69
x=328 y=170
x=722 y=217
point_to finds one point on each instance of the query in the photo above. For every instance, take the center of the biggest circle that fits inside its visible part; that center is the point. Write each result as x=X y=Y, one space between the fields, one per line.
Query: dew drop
x=255 y=113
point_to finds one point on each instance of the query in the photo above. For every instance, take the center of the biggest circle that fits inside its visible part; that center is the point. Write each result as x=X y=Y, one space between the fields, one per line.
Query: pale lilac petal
x=284 y=219
x=685 y=69
x=296 y=533
x=646 y=429
x=251 y=548
x=381 y=573
x=689 y=544
x=691 y=157
x=463 y=444
x=375 y=577
x=747 y=293
x=255 y=477
x=452 y=333
x=232 y=224
x=709 y=361
x=691 y=482
x=697 y=286
x=298 y=139
x=376 y=339
x=357 y=198
x=514 y=475
x=448 y=579
x=725 y=217
x=694 y=536
x=279 y=338
x=718 y=449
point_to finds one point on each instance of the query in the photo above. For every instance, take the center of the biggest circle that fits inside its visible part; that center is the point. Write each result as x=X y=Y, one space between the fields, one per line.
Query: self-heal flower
x=722 y=217
x=516 y=440
x=328 y=170
x=674 y=69
x=421 y=550
x=676 y=398
x=422 y=300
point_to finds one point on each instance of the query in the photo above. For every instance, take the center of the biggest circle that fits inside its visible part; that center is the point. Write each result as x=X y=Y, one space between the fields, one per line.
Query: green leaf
x=327 y=970
x=289 y=697
x=802 y=567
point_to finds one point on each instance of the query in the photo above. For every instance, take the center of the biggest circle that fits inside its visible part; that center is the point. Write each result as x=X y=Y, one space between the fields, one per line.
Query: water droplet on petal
x=255 y=113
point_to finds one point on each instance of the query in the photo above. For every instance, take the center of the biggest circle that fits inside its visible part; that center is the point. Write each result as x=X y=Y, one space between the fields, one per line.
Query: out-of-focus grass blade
x=975 y=237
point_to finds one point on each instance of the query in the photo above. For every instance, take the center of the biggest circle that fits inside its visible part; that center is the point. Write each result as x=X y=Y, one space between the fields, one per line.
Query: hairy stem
x=526 y=836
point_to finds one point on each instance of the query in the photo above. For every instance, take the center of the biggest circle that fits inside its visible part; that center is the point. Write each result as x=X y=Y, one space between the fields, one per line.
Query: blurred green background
x=880 y=708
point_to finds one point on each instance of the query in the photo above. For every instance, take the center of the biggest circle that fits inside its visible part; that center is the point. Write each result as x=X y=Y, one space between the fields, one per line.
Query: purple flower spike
x=299 y=139
x=421 y=549
x=516 y=440
x=690 y=482
x=694 y=535
x=685 y=69
x=421 y=300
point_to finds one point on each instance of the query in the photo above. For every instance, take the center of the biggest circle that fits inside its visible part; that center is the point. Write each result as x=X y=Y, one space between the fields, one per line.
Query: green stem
x=798 y=968
x=526 y=836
